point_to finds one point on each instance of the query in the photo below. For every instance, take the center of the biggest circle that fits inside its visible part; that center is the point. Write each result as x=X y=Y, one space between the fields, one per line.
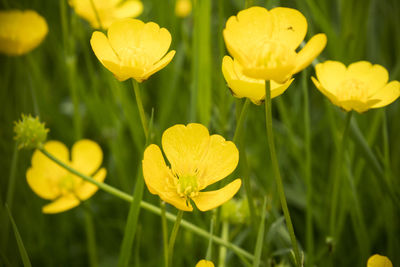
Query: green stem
x=147 y=206
x=143 y=118
x=277 y=174
x=240 y=120
x=260 y=235
x=338 y=175
x=174 y=233
x=91 y=237
x=222 y=249
x=165 y=232
x=209 y=248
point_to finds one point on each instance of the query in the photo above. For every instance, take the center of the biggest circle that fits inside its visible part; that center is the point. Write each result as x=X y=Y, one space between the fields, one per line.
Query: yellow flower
x=107 y=11
x=379 y=261
x=243 y=86
x=133 y=49
x=21 y=31
x=358 y=87
x=50 y=181
x=197 y=160
x=205 y=263
x=264 y=42
x=183 y=8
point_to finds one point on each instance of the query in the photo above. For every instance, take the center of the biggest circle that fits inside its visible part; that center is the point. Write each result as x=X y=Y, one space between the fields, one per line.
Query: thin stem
x=174 y=233
x=277 y=174
x=147 y=206
x=222 y=249
x=338 y=174
x=143 y=118
x=209 y=249
x=165 y=232
x=91 y=237
x=260 y=235
x=240 y=120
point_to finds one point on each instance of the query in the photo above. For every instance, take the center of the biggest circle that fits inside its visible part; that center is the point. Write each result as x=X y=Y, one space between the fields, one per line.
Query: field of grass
x=63 y=83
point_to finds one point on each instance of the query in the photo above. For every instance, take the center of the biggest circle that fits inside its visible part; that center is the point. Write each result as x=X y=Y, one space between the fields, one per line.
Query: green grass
x=78 y=98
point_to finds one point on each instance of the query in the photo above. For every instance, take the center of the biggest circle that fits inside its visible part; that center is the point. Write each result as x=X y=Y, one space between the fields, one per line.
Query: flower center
x=353 y=89
x=187 y=186
x=272 y=54
x=133 y=57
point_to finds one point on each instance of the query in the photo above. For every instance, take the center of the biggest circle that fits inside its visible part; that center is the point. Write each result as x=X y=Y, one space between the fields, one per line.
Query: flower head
x=66 y=190
x=264 y=42
x=21 y=31
x=205 y=263
x=133 y=49
x=102 y=13
x=358 y=87
x=197 y=160
x=243 y=86
x=183 y=8
x=30 y=132
x=379 y=261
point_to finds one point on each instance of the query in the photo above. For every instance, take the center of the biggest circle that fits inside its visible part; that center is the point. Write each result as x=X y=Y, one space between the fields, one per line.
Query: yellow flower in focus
x=66 y=190
x=265 y=42
x=243 y=86
x=21 y=31
x=358 y=87
x=205 y=263
x=379 y=261
x=197 y=160
x=133 y=49
x=183 y=8
x=107 y=11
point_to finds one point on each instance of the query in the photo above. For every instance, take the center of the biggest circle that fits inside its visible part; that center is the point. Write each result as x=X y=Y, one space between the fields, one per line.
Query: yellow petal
x=86 y=156
x=326 y=92
x=158 y=66
x=129 y=9
x=290 y=26
x=279 y=88
x=42 y=183
x=205 y=263
x=374 y=76
x=61 y=204
x=220 y=160
x=44 y=164
x=154 y=41
x=183 y=8
x=387 y=94
x=330 y=74
x=212 y=199
x=104 y=52
x=356 y=105
x=310 y=51
x=86 y=189
x=185 y=147
x=125 y=34
x=379 y=261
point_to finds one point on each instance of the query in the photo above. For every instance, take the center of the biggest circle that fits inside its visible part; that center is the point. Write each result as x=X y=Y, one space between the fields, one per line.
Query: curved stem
x=147 y=206
x=143 y=118
x=174 y=233
x=277 y=174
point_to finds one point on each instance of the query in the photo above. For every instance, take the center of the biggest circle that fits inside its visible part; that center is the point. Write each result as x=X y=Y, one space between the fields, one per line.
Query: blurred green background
x=63 y=73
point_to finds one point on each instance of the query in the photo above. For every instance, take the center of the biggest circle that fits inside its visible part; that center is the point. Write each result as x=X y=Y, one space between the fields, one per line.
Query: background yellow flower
x=197 y=161
x=21 y=31
x=264 y=42
x=133 y=49
x=50 y=181
x=183 y=8
x=107 y=11
x=359 y=87
x=379 y=261
x=205 y=263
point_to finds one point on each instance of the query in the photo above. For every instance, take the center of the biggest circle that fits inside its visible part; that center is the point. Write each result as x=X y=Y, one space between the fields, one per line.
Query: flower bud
x=30 y=133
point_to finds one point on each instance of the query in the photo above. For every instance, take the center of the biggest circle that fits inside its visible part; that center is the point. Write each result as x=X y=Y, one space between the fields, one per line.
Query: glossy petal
x=86 y=156
x=205 y=263
x=129 y=9
x=387 y=94
x=86 y=189
x=154 y=41
x=379 y=261
x=330 y=74
x=326 y=92
x=125 y=35
x=220 y=160
x=185 y=147
x=290 y=26
x=43 y=183
x=43 y=163
x=61 y=204
x=159 y=65
x=310 y=51
x=212 y=199
x=104 y=52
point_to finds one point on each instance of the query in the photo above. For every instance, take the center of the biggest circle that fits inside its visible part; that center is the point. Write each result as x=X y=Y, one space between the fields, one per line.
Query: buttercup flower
x=243 y=86
x=183 y=8
x=107 y=11
x=205 y=263
x=133 y=49
x=359 y=87
x=197 y=160
x=21 y=31
x=379 y=261
x=50 y=181
x=264 y=42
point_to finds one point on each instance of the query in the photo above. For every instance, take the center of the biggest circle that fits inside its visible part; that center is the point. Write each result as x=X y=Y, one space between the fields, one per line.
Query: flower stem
x=143 y=118
x=240 y=121
x=277 y=174
x=165 y=233
x=222 y=249
x=147 y=206
x=338 y=174
x=174 y=233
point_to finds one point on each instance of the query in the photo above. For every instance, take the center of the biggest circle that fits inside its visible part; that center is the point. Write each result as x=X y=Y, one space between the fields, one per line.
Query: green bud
x=30 y=133
x=236 y=211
